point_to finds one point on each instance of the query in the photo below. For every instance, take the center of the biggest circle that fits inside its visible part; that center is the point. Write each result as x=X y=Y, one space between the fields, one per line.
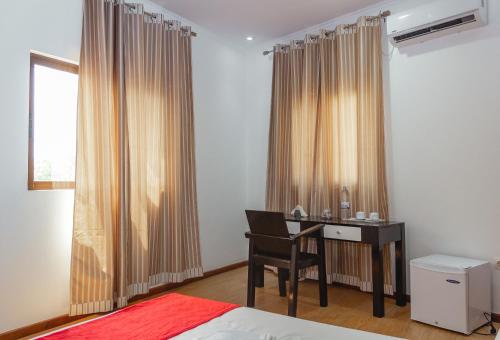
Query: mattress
x=248 y=323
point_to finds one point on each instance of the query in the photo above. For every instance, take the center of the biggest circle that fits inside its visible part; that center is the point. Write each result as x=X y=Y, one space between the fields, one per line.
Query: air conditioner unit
x=435 y=19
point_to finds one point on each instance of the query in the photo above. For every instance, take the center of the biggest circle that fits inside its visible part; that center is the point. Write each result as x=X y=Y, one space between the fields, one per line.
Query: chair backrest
x=271 y=224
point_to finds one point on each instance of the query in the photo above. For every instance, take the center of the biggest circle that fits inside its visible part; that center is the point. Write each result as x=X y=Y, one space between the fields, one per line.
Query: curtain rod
x=384 y=14
x=154 y=15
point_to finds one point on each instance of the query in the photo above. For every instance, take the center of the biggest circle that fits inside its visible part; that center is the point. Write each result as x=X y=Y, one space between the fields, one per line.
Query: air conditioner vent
x=436 y=28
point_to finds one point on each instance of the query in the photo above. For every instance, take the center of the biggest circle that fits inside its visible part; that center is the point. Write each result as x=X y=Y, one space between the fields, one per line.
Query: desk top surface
x=338 y=221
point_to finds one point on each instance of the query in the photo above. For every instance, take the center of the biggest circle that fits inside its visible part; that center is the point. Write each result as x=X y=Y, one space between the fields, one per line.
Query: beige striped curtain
x=327 y=132
x=135 y=217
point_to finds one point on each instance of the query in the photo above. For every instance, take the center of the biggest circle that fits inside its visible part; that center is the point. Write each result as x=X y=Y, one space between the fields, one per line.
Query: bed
x=181 y=317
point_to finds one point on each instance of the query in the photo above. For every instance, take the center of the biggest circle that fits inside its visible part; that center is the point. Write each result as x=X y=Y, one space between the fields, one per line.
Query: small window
x=52 y=123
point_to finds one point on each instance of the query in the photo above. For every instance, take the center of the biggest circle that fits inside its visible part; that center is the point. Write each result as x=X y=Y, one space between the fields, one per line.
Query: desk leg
x=259 y=276
x=282 y=277
x=401 y=270
x=378 y=280
x=323 y=290
x=251 y=276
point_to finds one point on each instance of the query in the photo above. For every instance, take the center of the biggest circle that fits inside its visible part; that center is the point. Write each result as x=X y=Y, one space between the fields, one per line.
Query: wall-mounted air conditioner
x=435 y=19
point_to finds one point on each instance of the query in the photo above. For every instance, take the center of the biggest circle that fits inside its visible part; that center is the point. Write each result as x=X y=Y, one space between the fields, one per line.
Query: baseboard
x=39 y=327
x=169 y=286
x=64 y=319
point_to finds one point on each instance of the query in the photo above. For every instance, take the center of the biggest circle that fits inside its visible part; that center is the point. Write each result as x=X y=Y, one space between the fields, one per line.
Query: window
x=52 y=123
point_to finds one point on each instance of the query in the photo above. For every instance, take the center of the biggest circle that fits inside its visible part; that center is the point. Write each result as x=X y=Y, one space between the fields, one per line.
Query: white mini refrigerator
x=450 y=292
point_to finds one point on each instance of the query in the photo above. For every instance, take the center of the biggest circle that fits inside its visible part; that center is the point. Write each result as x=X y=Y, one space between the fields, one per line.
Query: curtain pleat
x=136 y=217
x=327 y=132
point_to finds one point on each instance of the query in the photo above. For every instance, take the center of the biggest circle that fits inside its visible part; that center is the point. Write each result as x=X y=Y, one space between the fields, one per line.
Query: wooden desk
x=376 y=235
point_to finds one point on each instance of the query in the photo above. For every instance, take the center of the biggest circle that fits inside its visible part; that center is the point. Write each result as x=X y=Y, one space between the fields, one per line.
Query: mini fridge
x=450 y=292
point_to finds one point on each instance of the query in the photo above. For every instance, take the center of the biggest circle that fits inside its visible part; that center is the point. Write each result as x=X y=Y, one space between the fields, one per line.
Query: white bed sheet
x=248 y=323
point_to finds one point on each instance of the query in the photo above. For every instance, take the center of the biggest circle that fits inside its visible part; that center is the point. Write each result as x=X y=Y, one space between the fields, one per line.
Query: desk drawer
x=340 y=232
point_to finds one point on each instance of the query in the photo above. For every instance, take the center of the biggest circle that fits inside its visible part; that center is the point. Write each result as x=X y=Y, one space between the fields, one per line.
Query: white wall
x=258 y=85
x=35 y=226
x=442 y=119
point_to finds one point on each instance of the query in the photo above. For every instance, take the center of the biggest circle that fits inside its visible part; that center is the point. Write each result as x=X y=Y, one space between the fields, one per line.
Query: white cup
x=374 y=216
x=360 y=215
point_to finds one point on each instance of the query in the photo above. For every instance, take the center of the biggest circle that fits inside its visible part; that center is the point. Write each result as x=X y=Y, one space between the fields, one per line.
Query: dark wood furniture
x=271 y=244
x=375 y=234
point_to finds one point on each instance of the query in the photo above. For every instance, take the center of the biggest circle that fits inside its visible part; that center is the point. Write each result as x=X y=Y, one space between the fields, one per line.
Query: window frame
x=57 y=64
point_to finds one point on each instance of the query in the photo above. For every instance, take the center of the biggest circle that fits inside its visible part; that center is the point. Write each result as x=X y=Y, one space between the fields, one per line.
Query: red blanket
x=160 y=318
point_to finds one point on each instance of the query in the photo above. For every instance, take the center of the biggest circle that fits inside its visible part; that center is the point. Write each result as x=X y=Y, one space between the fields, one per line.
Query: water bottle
x=345 y=204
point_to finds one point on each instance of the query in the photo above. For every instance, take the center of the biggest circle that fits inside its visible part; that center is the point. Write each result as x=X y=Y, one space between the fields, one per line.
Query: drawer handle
x=339 y=232
x=453 y=281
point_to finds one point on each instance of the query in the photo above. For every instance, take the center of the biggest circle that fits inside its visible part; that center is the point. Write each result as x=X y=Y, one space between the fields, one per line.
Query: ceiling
x=262 y=19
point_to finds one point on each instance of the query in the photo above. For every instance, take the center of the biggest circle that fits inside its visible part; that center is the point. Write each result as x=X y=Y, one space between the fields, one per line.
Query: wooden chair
x=271 y=244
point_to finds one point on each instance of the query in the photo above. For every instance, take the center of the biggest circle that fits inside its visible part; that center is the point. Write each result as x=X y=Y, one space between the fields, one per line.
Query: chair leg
x=259 y=275
x=282 y=277
x=294 y=283
x=251 y=277
x=323 y=297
